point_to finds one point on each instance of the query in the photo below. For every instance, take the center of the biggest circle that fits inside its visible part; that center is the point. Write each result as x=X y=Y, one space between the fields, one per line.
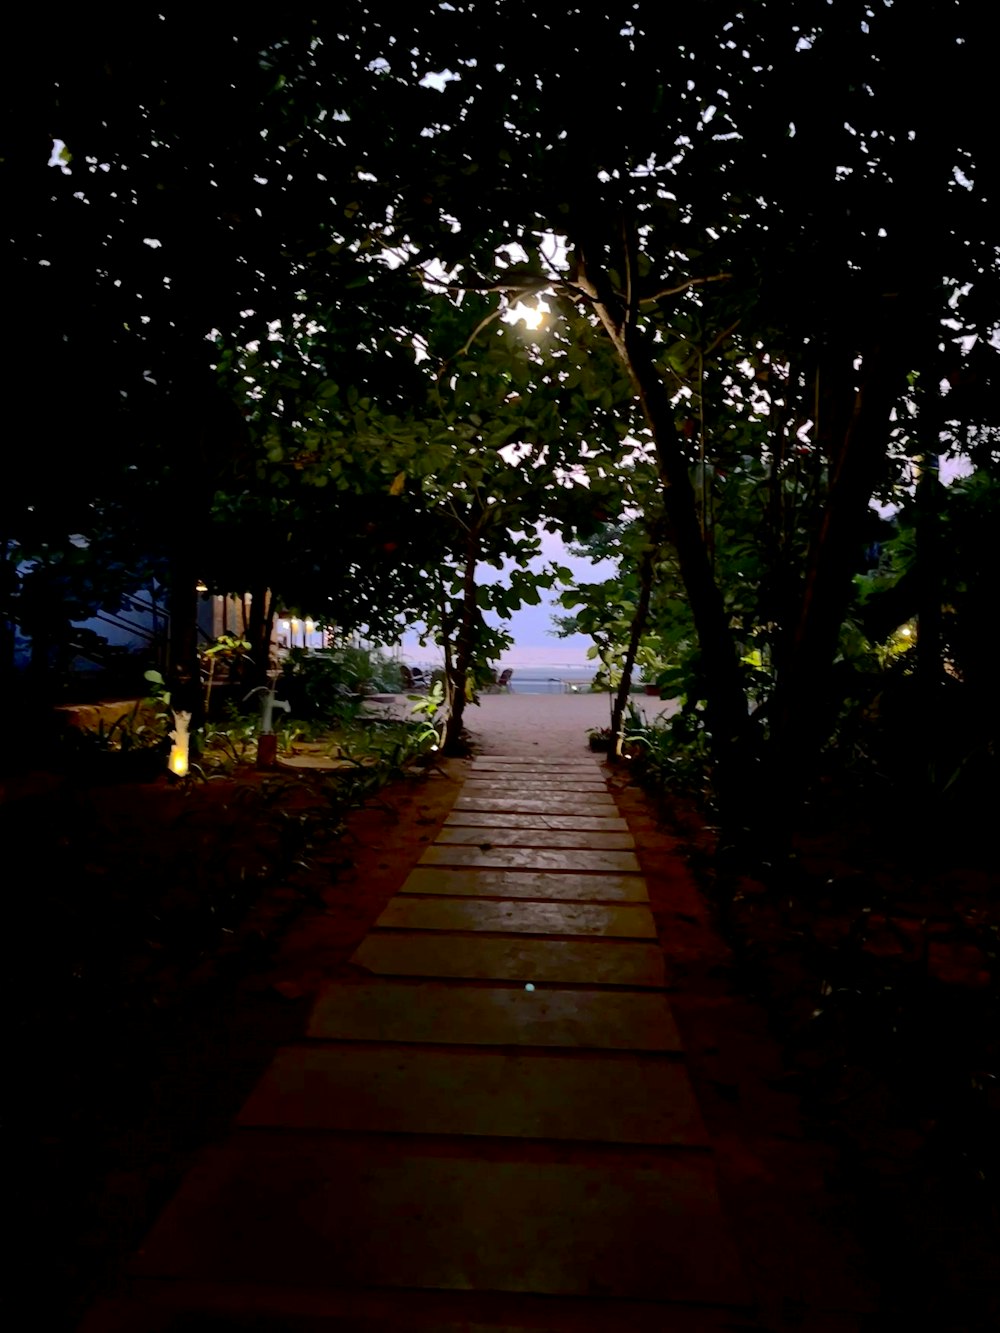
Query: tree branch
x=683 y=287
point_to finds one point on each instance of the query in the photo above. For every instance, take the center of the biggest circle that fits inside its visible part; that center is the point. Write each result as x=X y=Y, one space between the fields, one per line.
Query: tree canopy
x=262 y=269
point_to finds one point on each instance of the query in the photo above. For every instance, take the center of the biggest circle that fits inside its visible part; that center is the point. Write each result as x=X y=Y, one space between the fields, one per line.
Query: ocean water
x=553 y=679
x=547 y=678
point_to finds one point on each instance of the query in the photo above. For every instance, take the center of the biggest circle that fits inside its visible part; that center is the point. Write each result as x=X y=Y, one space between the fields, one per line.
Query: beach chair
x=414 y=681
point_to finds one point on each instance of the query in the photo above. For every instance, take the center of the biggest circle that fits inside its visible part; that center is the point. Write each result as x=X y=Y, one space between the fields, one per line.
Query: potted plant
x=600 y=739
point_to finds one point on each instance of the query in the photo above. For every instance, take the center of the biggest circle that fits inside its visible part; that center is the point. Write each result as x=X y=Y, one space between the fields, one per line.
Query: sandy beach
x=534 y=724
x=538 y=724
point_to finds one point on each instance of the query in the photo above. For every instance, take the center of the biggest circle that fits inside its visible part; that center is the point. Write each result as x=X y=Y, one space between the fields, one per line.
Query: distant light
x=532 y=315
x=528 y=986
x=201 y=586
x=906 y=631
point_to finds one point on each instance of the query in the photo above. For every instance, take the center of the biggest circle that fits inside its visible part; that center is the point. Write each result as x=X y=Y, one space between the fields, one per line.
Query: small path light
x=179 y=751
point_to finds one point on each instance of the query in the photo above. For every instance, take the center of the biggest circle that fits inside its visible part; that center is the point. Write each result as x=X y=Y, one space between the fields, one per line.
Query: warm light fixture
x=201 y=586
x=178 y=761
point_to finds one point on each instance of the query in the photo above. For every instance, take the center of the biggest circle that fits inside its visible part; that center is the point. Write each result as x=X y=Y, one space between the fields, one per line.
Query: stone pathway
x=492 y=1127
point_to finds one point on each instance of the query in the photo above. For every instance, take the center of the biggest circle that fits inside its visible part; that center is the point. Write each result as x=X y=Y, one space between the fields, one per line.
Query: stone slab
x=531 y=858
x=450 y=1014
x=483 y=883
x=530 y=763
x=514 y=835
x=315 y=1210
x=634 y=1099
x=580 y=962
x=493 y=819
x=543 y=803
x=532 y=785
x=632 y=921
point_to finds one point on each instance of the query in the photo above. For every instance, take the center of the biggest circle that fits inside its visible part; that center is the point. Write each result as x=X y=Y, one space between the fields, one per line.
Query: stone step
x=514 y=835
x=483 y=883
x=531 y=784
x=551 y=803
x=578 y=962
x=531 y=858
x=624 y=922
x=320 y=1210
x=576 y=823
x=634 y=1099
x=518 y=761
x=455 y=1013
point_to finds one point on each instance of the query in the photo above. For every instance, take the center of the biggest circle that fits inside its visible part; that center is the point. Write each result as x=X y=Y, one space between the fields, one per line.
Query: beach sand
x=546 y=724
x=542 y=725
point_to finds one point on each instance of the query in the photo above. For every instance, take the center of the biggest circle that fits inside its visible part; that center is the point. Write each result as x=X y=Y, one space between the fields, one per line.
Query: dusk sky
x=531 y=627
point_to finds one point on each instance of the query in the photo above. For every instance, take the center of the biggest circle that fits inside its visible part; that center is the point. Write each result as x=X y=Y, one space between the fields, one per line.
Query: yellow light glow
x=178 y=761
x=532 y=315
x=906 y=631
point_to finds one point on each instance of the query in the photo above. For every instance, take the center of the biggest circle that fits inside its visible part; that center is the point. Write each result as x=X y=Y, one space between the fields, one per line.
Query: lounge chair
x=414 y=680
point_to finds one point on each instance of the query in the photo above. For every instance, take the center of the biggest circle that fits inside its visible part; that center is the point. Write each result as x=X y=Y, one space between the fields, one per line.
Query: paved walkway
x=491 y=1127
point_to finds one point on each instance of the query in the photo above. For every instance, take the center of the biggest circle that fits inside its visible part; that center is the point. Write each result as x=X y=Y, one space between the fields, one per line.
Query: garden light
x=178 y=761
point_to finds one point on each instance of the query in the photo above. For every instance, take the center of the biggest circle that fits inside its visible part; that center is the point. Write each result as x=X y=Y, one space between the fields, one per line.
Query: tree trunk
x=928 y=572
x=728 y=716
x=465 y=648
x=803 y=708
x=646 y=567
x=9 y=587
x=258 y=632
x=183 y=677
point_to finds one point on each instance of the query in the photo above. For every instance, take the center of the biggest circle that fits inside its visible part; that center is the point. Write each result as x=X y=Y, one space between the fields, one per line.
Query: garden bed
x=156 y=961
x=875 y=954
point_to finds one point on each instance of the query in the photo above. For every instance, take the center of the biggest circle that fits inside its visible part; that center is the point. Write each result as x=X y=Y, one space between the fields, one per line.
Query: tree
x=742 y=194
x=745 y=191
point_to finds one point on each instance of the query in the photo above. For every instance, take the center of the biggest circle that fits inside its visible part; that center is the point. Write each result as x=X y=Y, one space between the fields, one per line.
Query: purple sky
x=531 y=627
